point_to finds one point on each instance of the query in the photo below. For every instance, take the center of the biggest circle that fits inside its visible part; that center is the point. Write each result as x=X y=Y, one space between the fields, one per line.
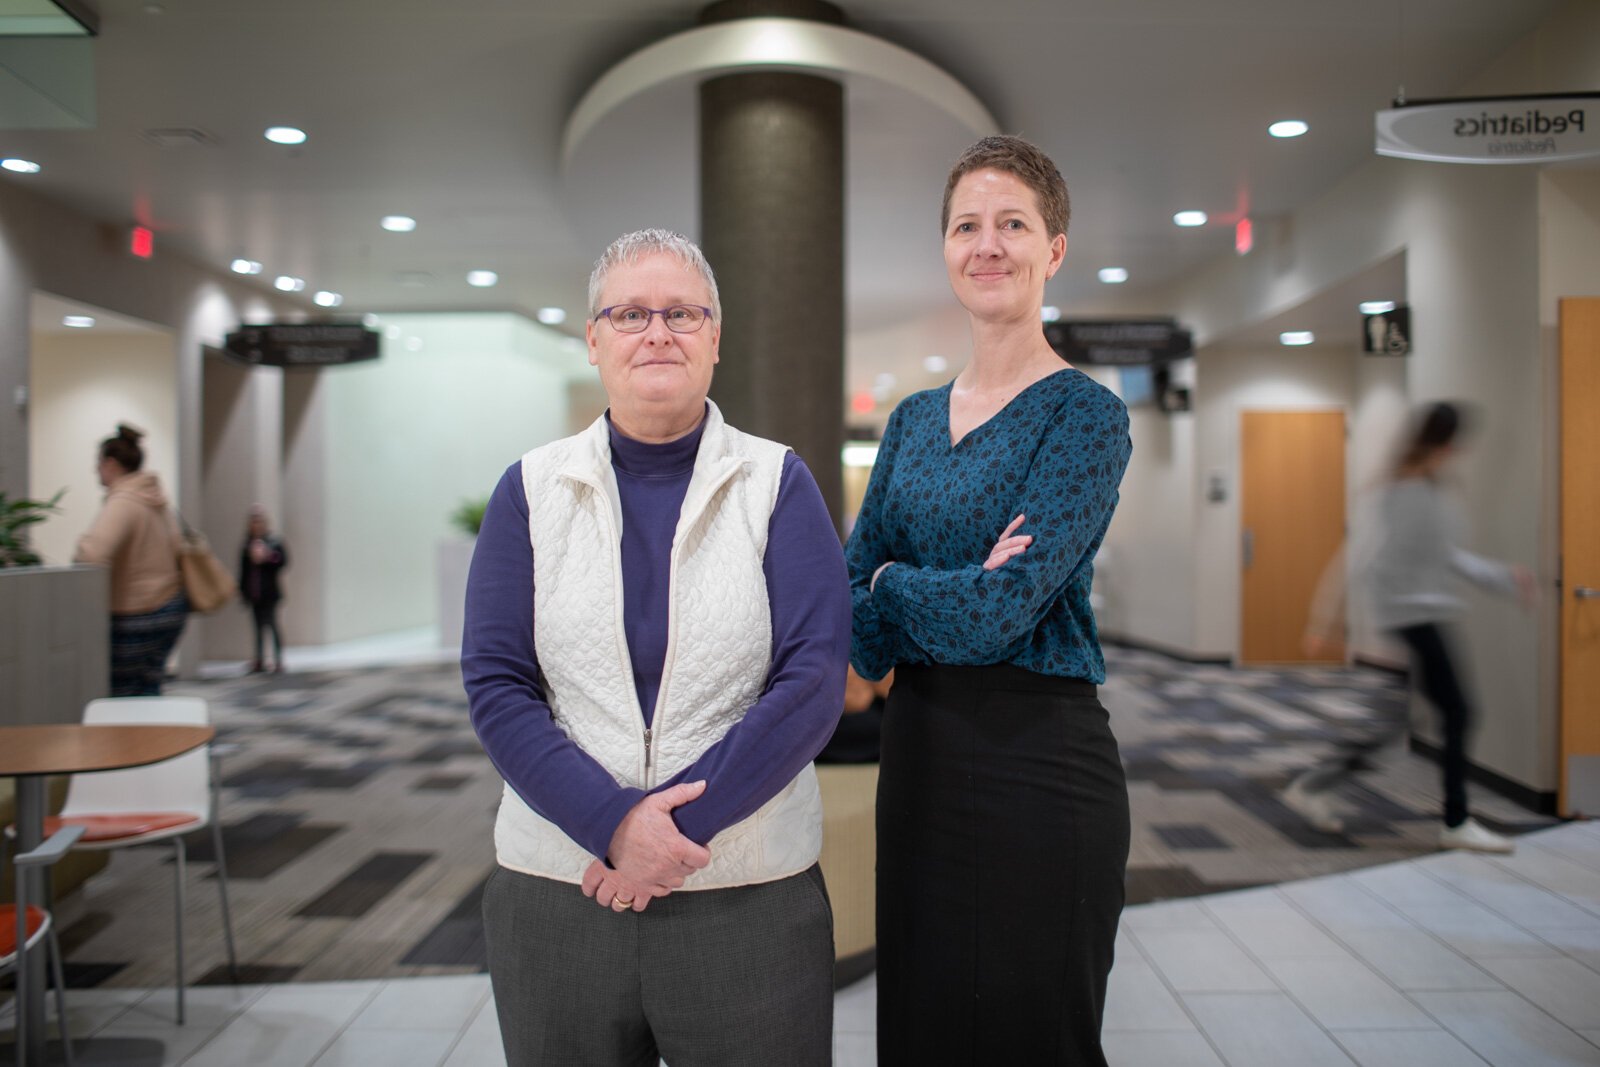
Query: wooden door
x=1580 y=556
x=1291 y=503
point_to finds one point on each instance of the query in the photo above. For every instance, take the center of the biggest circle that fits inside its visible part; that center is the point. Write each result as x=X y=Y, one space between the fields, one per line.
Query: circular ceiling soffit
x=772 y=44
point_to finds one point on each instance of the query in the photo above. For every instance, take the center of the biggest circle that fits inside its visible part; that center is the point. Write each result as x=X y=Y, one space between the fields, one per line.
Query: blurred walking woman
x=136 y=536
x=1002 y=809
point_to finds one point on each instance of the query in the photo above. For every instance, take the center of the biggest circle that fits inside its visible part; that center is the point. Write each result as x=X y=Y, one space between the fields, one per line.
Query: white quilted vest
x=719 y=645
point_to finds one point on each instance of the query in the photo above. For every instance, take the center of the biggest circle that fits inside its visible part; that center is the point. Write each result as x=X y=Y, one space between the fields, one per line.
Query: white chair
x=23 y=925
x=162 y=801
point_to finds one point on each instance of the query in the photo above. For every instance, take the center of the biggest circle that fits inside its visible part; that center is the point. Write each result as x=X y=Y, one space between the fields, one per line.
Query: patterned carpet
x=358 y=811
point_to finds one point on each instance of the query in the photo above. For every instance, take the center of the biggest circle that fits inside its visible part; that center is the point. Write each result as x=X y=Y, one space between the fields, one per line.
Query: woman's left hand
x=1008 y=545
x=610 y=890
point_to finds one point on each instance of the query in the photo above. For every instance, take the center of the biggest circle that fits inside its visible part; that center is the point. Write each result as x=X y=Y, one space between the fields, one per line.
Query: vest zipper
x=659 y=718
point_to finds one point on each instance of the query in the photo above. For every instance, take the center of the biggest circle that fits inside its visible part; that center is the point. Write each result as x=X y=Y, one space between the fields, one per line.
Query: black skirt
x=1002 y=845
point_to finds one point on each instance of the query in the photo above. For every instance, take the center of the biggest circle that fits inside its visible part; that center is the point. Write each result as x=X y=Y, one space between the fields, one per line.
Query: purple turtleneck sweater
x=809 y=596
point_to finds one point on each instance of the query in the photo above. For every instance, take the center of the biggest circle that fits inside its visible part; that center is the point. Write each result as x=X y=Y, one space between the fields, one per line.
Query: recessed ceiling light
x=552 y=316
x=327 y=299
x=288 y=284
x=1049 y=313
x=1376 y=307
x=414 y=344
x=370 y=321
x=20 y=166
x=1296 y=337
x=399 y=223
x=935 y=364
x=78 y=322
x=245 y=266
x=1113 y=275
x=1190 y=218
x=1288 y=128
x=393 y=331
x=482 y=278
x=285 y=135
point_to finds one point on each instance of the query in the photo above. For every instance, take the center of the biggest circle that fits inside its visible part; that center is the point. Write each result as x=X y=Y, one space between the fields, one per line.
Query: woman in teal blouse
x=1002 y=809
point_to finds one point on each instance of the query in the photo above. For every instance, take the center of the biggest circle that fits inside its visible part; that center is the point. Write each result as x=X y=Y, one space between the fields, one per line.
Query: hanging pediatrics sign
x=1515 y=129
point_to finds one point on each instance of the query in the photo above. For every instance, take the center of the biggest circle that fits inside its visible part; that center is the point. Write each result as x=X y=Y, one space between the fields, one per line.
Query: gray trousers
x=733 y=976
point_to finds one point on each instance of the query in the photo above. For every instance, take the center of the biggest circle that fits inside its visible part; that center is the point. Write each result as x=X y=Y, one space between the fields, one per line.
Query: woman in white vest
x=657 y=627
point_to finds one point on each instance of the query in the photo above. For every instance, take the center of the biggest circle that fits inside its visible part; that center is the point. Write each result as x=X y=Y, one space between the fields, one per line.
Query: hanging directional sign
x=303 y=344
x=1515 y=129
x=1119 y=342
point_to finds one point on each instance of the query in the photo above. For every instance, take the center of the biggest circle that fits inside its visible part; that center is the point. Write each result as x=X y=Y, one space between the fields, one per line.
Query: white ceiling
x=453 y=113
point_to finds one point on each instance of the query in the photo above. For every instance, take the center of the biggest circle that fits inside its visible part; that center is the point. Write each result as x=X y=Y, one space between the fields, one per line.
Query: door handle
x=1249 y=548
x=1584 y=592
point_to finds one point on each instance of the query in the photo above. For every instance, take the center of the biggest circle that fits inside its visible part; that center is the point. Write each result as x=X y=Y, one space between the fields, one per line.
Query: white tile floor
x=1445 y=961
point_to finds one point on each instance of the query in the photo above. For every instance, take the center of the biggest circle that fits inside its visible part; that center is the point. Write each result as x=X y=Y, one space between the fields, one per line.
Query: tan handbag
x=206 y=582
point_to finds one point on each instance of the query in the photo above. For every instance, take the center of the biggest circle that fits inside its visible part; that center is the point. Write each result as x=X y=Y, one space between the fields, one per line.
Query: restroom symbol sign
x=1387 y=333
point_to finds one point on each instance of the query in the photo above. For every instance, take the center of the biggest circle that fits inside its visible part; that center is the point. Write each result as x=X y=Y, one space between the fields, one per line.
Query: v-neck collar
x=949 y=388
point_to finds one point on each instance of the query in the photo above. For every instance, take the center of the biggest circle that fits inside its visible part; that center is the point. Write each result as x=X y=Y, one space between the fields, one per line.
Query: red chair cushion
x=8 y=928
x=117 y=827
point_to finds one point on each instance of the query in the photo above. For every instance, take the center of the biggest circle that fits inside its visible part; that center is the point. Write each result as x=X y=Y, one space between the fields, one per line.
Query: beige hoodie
x=137 y=537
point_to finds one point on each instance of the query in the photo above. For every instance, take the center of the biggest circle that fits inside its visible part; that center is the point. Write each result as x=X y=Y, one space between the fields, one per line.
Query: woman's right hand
x=1010 y=544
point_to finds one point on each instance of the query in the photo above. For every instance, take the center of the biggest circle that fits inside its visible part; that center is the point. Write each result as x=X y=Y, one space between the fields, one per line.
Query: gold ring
x=621 y=905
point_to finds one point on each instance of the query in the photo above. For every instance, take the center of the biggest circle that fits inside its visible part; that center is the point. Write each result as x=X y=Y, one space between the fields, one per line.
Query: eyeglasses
x=632 y=318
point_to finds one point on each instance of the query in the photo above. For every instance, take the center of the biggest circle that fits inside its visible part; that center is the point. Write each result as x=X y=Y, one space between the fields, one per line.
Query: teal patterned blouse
x=1055 y=453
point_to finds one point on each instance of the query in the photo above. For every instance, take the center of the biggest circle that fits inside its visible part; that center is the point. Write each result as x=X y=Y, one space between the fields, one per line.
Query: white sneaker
x=1314 y=808
x=1475 y=836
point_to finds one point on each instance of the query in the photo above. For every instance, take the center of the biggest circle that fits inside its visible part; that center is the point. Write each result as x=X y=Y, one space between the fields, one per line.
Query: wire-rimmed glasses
x=635 y=318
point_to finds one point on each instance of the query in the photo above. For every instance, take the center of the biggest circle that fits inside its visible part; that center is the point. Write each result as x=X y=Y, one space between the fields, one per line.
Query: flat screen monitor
x=1138 y=385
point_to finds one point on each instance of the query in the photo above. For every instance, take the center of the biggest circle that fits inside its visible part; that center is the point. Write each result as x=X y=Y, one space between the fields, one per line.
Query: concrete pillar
x=772 y=226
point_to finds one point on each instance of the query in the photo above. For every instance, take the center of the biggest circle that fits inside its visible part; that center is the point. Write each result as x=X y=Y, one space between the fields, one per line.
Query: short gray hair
x=632 y=247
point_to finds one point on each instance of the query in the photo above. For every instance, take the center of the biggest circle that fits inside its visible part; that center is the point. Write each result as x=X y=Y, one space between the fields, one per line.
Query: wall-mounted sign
x=1388 y=333
x=1515 y=129
x=1119 y=342
x=304 y=344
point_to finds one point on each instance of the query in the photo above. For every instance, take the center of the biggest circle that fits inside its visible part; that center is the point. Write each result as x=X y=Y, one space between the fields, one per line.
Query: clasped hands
x=649 y=856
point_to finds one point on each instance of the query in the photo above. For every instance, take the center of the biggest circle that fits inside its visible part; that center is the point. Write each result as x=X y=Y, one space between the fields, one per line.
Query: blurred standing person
x=261 y=557
x=657 y=627
x=136 y=537
x=1410 y=582
x=1002 y=807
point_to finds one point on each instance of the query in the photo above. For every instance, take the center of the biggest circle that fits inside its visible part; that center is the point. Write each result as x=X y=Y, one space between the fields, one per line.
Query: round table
x=30 y=754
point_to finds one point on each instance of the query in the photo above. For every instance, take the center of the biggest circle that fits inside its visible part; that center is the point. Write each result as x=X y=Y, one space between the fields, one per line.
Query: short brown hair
x=1013 y=155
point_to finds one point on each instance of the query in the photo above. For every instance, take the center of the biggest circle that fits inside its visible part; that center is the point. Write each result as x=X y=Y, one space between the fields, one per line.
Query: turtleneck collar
x=654 y=461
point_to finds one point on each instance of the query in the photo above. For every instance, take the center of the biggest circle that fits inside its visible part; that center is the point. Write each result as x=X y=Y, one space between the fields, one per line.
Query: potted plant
x=15 y=518
x=468 y=516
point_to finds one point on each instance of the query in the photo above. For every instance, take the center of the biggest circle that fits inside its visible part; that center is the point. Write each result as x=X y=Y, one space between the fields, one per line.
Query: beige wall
x=81 y=385
x=1144 y=577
